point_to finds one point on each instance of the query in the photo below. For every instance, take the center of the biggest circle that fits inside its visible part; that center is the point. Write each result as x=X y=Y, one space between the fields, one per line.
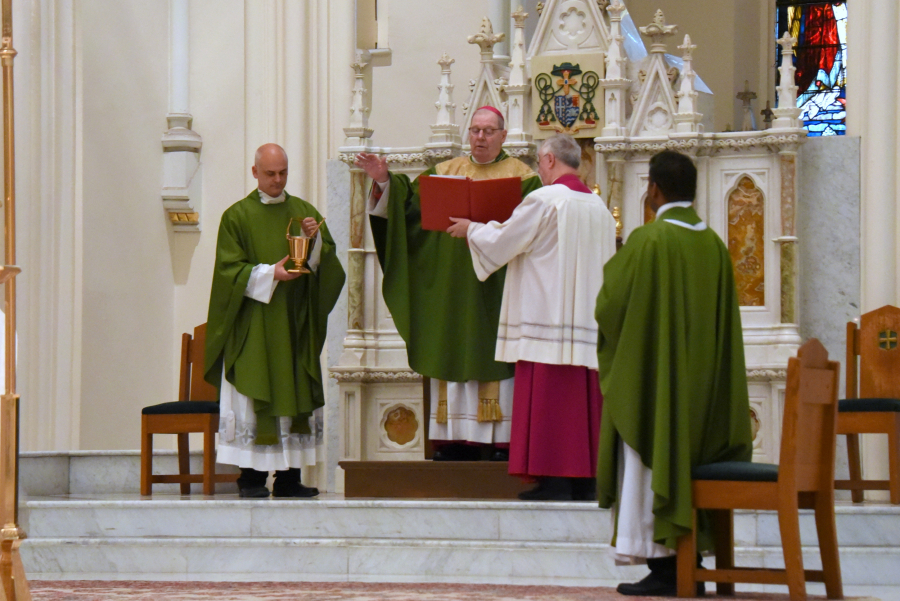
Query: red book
x=484 y=200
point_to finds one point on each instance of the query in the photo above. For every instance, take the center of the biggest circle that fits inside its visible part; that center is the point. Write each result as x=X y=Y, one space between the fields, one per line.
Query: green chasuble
x=446 y=316
x=671 y=364
x=270 y=352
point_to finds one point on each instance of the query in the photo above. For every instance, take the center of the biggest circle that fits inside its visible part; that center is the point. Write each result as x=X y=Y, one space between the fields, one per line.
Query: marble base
x=104 y=472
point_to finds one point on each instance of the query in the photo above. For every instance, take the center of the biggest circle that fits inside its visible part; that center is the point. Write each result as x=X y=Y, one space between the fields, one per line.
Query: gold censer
x=298 y=246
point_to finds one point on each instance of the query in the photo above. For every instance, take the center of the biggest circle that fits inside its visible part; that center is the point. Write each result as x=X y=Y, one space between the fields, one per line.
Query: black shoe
x=456 y=452
x=654 y=584
x=662 y=581
x=500 y=455
x=584 y=489
x=252 y=484
x=549 y=489
x=253 y=492
x=297 y=491
x=287 y=485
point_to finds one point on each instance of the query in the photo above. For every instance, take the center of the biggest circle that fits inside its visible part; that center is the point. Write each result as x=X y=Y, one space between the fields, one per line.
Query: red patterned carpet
x=75 y=590
x=303 y=591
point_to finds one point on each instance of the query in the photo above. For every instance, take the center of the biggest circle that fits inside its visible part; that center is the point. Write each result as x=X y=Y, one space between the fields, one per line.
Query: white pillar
x=50 y=223
x=498 y=13
x=872 y=95
x=181 y=145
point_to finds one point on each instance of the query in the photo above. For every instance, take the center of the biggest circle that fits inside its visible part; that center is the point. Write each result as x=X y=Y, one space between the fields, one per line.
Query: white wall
x=405 y=92
x=128 y=280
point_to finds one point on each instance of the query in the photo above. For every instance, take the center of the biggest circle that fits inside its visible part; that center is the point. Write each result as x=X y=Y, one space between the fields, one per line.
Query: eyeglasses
x=488 y=132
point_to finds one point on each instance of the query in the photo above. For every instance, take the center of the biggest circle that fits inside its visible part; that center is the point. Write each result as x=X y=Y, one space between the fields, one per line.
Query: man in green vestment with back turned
x=266 y=330
x=446 y=316
x=672 y=372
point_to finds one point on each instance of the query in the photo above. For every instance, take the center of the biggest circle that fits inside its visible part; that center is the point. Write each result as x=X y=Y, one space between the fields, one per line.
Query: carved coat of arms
x=566 y=96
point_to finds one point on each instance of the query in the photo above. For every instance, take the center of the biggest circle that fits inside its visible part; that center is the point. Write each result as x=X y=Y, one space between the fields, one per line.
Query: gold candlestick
x=13 y=583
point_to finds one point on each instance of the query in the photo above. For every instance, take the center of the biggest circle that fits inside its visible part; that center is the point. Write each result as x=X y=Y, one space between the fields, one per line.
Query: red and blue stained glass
x=821 y=62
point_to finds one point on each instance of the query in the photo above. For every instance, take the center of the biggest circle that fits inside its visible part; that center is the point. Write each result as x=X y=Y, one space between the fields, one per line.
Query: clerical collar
x=271 y=200
x=681 y=204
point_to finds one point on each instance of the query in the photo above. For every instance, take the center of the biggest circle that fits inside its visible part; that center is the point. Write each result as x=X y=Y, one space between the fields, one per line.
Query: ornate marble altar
x=628 y=104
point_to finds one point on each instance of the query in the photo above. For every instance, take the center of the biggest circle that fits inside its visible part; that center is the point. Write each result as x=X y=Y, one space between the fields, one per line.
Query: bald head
x=270 y=168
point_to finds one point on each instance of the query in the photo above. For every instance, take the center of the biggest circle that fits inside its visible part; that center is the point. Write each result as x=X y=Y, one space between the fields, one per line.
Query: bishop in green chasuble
x=673 y=377
x=446 y=316
x=266 y=328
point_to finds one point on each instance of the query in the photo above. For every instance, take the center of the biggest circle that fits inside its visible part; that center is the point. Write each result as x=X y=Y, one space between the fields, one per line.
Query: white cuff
x=313 y=260
x=262 y=283
x=379 y=208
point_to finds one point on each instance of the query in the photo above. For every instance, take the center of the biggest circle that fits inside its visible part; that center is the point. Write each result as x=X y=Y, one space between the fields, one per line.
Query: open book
x=443 y=197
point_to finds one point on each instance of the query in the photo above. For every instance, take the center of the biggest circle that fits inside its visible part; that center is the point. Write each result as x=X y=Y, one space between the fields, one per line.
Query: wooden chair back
x=810 y=420
x=873 y=355
x=192 y=386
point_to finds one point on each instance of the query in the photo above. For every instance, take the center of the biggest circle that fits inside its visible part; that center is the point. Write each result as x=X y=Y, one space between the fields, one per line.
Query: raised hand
x=374 y=166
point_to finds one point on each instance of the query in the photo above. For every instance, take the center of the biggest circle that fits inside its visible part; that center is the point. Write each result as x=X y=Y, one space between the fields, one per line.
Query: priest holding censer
x=266 y=331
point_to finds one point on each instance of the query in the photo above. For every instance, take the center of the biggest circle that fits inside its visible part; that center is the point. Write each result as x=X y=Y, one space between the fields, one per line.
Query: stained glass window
x=821 y=61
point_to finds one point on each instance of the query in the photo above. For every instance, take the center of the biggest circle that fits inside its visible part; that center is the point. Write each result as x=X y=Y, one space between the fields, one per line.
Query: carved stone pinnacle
x=688 y=48
x=486 y=38
x=615 y=10
x=519 y=17
x=787 y=43
x=445 y=61
x=658 y=30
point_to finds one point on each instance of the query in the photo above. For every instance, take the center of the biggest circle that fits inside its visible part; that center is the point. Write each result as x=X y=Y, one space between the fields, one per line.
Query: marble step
x=331 y=516
x=103 y=473
x=379 y=540
x=390 y=560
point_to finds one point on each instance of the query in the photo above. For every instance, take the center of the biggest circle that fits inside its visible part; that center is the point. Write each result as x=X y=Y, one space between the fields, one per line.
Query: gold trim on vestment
x=489 y=402
x=508 y=167
x=441 y=414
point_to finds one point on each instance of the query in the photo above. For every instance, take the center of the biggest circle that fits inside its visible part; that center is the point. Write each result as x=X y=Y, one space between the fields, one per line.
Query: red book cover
x=494 y=199
x=478 y=200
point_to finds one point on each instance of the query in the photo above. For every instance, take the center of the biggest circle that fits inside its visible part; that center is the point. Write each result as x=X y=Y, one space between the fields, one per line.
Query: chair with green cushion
x=872 y=405
x=803 y=479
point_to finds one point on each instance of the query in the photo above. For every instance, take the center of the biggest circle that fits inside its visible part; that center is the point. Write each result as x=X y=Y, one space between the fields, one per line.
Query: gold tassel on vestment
x=441 y=413
x=489 y=402
x=496 y=414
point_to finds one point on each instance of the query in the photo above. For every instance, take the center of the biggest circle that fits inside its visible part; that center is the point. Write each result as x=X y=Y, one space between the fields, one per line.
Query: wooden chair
x=803 y=479
x=872 y=405
x=196 y=410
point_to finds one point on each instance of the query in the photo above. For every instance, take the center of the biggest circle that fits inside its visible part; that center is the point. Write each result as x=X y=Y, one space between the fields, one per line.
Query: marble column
x=872 y=95
x=499 y=14
x=50 y=223
x=181 y=145
x=787 y=159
